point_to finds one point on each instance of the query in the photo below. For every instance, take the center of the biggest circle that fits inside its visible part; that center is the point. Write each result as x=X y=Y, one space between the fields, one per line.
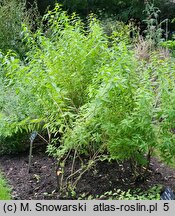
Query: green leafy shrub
x=47 y=90
x=119 y=115
x=94 y=96
x=130 y=111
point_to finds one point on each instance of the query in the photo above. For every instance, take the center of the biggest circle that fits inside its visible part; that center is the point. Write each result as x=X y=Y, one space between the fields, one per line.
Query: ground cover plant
x=4 y=189
x=89 y=96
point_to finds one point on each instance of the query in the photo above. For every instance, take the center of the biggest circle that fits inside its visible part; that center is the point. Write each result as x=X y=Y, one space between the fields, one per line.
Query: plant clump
x=91 y=95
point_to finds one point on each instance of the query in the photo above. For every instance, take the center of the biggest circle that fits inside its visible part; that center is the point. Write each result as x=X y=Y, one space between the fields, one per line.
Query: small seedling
x=37 y=177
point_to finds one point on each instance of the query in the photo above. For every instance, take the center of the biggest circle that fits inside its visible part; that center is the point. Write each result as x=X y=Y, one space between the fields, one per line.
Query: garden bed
x=41 y=182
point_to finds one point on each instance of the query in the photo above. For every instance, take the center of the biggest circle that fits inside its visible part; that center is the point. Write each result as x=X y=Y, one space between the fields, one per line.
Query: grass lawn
x=4 y=189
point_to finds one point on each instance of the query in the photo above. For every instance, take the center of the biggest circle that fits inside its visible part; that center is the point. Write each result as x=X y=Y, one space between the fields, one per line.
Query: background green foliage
x=124 y=10
x=12 y=14
x=170 y=45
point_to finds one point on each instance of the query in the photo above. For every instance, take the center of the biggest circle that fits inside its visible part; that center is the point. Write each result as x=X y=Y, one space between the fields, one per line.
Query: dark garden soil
x=41 y=182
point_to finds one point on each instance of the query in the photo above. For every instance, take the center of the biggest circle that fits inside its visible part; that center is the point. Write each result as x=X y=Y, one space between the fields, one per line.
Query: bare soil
x=41 y=182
